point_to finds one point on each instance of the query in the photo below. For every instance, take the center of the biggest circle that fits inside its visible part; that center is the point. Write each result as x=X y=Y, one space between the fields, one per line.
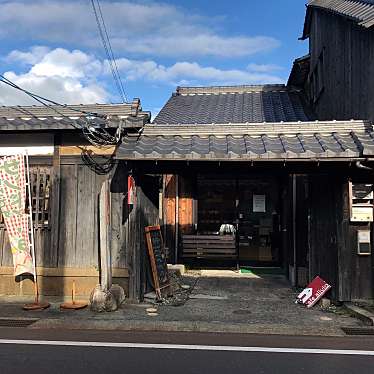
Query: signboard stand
x=157 y=258
x=36 y=305
x=313 y=292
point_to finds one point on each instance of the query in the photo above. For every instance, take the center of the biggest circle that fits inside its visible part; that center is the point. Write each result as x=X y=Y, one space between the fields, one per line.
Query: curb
x=361 y=313
x=181 y=326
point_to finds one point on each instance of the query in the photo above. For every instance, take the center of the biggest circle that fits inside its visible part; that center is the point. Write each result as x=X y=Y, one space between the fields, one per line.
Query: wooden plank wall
x=169 y=213
x=302 y=225
x=71 y=237
x=324 y=206
x=78 y=228
x=41 y=185
x=146 y=213
x=185 y=211
x=355 y=272
x=348 y=67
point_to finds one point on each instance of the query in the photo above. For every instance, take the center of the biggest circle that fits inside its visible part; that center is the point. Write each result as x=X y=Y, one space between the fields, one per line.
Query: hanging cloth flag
x=12 y=207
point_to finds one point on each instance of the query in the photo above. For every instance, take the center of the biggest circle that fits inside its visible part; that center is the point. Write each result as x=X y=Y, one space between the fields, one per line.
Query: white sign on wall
x=31 y=151
x=259 y=203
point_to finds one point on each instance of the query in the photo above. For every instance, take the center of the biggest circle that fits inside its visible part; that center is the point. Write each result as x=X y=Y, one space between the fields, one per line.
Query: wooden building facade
x=338 y=73
x=245 y=175
x=271 y=176
x=64 y=190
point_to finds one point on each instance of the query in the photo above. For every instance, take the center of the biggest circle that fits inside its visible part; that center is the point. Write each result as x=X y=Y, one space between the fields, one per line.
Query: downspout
x=362 y=167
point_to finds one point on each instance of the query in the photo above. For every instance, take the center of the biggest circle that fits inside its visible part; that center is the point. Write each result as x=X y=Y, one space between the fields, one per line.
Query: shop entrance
x=247 y=208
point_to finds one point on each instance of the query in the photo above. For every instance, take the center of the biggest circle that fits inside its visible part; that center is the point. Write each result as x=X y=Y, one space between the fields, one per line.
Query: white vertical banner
x=12 y=207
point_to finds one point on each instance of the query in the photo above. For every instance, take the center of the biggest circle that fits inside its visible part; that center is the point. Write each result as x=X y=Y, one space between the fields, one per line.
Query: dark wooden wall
x=324 y=210
x=144 y=213
x=348 y=69
x=355 y=271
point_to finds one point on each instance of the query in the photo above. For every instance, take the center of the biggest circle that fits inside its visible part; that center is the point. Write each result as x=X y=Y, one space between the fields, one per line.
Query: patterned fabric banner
x=12 y=206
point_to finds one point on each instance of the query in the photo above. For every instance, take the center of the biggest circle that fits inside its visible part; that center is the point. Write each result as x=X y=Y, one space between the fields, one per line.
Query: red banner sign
x=313 y=292
x=131 y=190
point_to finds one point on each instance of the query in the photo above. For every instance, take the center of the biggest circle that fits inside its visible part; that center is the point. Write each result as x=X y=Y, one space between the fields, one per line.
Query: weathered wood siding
x=348 y=69
x=324 y=208
x=169 y=213
x=70 y=238
x=41 y=185
x=355 y=271
x=178 y=211
x=186 y=210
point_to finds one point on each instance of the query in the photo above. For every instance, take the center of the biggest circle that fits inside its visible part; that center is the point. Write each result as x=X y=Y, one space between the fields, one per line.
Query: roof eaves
x=300 y=70
x=307 y=23
x=228 y=89
x=361 y=12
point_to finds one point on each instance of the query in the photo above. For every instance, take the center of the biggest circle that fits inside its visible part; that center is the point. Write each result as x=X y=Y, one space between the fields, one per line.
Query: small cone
x=74 y=304
x=36 y=305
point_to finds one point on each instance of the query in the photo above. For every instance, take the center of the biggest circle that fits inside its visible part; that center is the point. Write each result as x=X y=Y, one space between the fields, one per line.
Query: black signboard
x=157 y=257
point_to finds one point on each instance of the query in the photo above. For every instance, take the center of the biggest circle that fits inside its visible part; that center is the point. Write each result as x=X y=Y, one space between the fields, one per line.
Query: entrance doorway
x=247 y=207
x=258 y=222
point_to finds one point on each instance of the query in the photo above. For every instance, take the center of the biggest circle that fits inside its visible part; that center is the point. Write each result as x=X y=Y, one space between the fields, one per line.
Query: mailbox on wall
x=363 y=242
x=361 y=202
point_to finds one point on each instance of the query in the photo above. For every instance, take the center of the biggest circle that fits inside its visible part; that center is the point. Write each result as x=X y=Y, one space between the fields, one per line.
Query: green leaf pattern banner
x=12 y=207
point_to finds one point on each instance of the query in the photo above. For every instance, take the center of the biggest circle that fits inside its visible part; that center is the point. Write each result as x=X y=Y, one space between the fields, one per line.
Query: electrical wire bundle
x=91 y=126
x=99 y=167
x=92 y=129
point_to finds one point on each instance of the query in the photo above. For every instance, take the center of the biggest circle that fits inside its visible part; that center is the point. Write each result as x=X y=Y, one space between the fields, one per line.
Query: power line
x=42 y=100
x=111 y=51
x=97 y=136
x=108 y=49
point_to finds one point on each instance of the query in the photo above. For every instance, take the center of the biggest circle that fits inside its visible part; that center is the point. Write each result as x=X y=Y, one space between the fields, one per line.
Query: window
x=40 y=178
x=316 y=79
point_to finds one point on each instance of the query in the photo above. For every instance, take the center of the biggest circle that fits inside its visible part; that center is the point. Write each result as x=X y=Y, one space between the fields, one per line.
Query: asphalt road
x=36 y=351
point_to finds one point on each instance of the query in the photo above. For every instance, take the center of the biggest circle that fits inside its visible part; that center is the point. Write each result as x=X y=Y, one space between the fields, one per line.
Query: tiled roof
x=233 y=104
x=260 y=141
x=360 y=11
x=64 y=118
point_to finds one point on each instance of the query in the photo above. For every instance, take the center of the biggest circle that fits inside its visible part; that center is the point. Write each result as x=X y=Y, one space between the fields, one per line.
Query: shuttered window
x=316 y=79
x=40 y=177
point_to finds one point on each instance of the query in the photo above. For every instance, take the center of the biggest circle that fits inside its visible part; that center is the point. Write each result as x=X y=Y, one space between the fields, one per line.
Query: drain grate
x=358 y=330
x=21 y=322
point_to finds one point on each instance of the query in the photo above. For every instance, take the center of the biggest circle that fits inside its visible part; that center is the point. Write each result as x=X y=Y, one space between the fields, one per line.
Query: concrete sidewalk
x=217 y=302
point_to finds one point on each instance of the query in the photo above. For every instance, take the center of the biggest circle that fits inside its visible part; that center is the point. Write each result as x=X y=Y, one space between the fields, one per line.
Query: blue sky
x=53 y=48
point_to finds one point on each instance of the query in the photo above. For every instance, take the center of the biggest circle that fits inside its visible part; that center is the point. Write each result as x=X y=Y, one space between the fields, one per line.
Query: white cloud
x=183 y=73
x=77 y=77
x=148 y=28
x=60 y=75
x=31 y=57
x=63 y=63
x=263 y=68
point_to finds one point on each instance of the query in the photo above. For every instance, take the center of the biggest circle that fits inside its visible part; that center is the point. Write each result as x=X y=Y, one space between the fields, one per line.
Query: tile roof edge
x=182 y=90
x=359 y=126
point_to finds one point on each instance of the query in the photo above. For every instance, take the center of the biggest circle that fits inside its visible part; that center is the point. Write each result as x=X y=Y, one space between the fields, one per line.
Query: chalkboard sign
x=157 y=257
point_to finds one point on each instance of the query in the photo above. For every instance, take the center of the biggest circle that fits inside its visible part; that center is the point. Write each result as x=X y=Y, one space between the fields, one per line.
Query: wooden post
x=31 y=229
x=294 y=186
x=176 y=219
x=105 y=230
